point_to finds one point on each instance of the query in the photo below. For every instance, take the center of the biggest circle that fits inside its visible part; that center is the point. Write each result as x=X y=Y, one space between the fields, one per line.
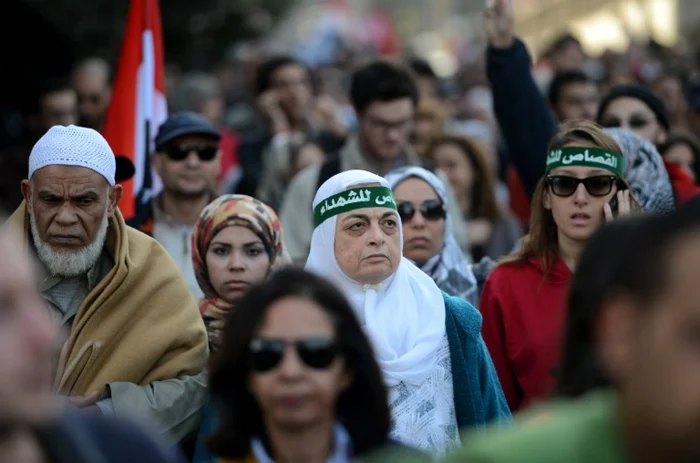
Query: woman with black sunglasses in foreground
x=421 y=202
x=524 y=299
x=295 y=379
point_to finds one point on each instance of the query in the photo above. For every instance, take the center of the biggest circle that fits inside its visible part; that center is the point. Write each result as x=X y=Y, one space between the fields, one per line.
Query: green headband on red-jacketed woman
x=587 y=157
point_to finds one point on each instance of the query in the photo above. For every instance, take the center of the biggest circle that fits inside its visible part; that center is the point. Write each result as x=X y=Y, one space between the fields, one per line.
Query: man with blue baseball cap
x=188 y=160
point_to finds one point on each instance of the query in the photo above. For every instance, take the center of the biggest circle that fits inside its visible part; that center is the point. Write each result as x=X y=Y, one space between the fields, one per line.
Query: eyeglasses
x=599 y=185
x=181 y=151
x=431 y=210
x=317 y=353
x=635 y=123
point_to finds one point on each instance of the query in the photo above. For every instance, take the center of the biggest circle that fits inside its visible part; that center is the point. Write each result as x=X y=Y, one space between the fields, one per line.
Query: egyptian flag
x=138 y=106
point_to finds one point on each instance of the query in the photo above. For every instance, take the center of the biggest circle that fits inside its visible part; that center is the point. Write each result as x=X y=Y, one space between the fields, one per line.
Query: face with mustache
x=69 y=210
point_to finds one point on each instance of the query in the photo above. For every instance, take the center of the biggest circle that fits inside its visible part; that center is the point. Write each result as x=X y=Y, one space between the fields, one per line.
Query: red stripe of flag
x=138 y=105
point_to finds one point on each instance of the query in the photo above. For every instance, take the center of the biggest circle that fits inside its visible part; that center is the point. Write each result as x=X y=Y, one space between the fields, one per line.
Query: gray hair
x=193 y=91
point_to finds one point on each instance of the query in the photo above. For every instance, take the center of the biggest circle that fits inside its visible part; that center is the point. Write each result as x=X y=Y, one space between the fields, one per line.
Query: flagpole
x=138 y=105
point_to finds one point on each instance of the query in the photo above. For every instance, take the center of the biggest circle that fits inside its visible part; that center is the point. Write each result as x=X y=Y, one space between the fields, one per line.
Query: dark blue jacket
x=83 y=437
x=526 y=122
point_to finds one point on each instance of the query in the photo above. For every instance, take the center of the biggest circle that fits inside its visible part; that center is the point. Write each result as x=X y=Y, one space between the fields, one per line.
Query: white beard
x=69 y=264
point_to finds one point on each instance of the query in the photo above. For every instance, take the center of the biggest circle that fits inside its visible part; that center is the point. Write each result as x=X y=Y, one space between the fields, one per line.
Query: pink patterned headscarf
x=228 y=211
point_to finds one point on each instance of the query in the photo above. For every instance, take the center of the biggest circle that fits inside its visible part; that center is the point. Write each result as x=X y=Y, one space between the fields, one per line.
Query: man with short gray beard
x=135 y=343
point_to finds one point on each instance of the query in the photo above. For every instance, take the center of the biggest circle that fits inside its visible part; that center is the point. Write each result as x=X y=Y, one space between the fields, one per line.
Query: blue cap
x=185 y=123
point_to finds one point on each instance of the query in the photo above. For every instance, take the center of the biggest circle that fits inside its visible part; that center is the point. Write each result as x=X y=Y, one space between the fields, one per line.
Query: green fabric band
x=355 y=198
x=588 y=157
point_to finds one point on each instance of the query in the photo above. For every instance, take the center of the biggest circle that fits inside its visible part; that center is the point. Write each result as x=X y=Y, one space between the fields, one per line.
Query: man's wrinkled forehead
x=68 y=177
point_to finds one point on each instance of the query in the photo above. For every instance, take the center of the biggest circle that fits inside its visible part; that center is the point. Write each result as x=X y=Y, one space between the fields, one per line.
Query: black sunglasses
x=181 y=151
x=432 y=210
x=317 y=353
x=598 y=185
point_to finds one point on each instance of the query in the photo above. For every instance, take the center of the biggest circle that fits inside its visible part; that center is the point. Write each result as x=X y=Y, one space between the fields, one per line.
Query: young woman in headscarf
x=236 y=242
x=523 y=303
x=421 y=202
x=428 y=345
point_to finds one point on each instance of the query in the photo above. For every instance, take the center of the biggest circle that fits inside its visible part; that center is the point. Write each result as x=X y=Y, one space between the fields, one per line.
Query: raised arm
x=523 y=115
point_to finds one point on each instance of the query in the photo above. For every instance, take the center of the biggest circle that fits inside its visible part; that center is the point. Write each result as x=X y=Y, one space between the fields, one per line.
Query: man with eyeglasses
x=187 y=159
x=384 y=97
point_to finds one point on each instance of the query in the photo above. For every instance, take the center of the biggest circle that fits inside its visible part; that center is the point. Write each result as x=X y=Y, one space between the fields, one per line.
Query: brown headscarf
x=227 y=211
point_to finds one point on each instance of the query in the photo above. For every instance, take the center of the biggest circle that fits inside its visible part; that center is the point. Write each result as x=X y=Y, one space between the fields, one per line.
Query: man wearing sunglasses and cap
x=188 y=161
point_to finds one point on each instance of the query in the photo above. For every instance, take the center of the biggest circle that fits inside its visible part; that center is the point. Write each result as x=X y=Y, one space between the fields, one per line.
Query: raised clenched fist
x=499 y=23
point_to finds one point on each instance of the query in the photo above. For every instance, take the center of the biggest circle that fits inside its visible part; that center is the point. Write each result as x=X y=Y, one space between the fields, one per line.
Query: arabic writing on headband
x=353 y=197
x=606 y=159
x=554 y=156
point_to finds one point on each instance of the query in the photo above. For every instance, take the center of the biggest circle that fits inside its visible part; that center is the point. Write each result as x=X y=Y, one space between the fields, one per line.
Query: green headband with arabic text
x=354 y=198
x=587 y=157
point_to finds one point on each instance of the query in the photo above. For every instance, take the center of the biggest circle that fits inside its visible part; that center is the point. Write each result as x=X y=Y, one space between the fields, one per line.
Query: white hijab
x=404 y=316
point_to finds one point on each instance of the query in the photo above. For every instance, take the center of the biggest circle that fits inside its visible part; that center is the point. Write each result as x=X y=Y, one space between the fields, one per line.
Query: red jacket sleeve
x=683 y=187
x=493 y=331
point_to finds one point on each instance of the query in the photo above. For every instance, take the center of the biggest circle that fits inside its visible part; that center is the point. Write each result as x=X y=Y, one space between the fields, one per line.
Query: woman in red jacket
x=523 y=303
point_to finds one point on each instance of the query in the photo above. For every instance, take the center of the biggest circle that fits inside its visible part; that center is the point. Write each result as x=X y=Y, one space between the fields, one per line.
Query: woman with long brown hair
x=492 y=231
x=523 y=303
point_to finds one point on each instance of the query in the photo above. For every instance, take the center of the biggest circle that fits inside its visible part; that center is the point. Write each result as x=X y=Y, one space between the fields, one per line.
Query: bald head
x=90 y=79
x=93 y=66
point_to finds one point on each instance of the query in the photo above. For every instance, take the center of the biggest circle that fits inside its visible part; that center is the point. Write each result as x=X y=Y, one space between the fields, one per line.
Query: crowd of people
x=384 y=274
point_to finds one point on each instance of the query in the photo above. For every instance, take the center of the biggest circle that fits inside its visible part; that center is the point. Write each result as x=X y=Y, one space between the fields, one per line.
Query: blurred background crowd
x=451 y=111
x=213 y=50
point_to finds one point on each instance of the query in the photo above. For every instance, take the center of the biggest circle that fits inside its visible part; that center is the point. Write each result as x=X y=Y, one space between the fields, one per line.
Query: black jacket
x=84 y=437
x=526 y=122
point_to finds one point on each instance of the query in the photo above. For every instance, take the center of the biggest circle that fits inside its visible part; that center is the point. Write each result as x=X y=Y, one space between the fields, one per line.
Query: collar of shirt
x=93 y=275
x=352 y=157
x=342 y=447
x=160 y=216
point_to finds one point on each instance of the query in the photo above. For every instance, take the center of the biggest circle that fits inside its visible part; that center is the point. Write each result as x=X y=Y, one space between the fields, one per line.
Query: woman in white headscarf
x=427 y=228
x=428 y=344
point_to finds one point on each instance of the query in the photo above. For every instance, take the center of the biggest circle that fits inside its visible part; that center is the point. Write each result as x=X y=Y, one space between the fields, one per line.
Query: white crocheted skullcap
x=73 y=146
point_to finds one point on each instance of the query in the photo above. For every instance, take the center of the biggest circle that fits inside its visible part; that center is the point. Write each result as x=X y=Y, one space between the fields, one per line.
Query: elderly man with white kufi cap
x=135 y=341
